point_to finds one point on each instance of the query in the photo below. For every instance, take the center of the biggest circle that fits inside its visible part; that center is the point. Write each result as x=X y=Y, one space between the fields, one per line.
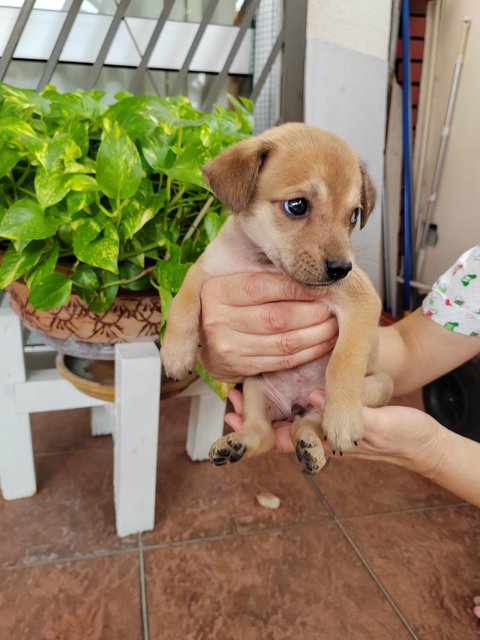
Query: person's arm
x=403 y=436
x=416 y=350
x=255 y=323
x=458 y=468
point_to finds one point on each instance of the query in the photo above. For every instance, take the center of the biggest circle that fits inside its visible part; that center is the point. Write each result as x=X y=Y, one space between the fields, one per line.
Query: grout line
x=364 y=561
x=378 y=582
x=165 y=545
x=65 y=560
x=235 y=534
x=47 y=454
x=400 y=512
x=322 y=499
x=143 y=588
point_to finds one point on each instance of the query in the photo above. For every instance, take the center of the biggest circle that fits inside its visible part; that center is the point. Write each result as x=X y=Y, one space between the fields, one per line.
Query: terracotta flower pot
x=76 y=330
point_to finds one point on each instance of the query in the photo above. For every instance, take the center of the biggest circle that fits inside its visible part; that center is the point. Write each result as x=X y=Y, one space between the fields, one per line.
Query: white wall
x=457 y=210
x=346 y=79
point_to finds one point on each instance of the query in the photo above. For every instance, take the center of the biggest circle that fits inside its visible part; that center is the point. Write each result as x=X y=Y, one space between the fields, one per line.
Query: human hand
x=400 y=435
x=259 y=322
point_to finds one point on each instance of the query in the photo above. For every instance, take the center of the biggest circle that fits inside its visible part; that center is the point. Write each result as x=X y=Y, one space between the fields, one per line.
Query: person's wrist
x=428 y=457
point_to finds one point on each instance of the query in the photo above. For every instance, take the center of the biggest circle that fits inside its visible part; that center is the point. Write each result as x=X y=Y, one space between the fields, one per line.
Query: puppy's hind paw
x=226 y=449
x=310 y=454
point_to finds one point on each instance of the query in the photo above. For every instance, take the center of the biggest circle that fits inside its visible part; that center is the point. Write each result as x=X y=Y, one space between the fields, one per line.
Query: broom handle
x=443 y=147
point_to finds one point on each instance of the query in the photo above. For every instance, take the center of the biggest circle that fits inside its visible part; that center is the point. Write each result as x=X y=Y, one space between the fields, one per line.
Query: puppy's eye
x=356 y=215
x=296 y=207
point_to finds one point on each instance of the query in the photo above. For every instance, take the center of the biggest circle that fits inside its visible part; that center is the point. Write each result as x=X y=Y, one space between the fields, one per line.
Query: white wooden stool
x=132 y=420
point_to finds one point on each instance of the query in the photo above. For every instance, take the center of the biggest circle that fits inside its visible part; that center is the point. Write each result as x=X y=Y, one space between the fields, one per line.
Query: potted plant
x=98 y=200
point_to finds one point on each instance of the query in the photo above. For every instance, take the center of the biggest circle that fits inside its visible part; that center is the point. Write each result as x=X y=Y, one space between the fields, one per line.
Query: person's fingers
x=476 y=609
x=232 y=366
x=317 y=400
x=236 y=398
x=234 y=421
x=266 y=319
x=247 y=289
x=283 y=440
x=285 y=343
x=283 y=437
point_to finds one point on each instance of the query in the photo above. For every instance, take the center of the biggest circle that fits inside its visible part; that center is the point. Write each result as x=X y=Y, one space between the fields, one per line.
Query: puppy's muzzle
x=337 y=269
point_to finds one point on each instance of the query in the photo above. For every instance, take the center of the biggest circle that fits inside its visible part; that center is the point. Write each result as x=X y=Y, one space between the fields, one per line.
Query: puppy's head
x=298 y=192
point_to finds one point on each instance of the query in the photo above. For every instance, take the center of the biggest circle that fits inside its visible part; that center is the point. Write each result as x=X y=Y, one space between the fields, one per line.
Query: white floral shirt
x=454 y=301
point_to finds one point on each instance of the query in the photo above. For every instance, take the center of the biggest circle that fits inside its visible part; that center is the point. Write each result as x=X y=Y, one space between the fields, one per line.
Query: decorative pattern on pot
x=132 y=317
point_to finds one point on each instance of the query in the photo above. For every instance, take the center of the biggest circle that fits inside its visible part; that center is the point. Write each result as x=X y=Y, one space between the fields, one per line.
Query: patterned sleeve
x=454 y=301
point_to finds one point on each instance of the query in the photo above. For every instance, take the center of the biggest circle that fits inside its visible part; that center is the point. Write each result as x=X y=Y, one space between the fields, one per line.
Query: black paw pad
x=305 y=452
x=233 y=452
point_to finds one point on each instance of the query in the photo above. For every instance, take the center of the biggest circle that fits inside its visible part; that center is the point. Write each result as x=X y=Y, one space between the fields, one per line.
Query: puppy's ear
x=368 y=196
x=233 y=174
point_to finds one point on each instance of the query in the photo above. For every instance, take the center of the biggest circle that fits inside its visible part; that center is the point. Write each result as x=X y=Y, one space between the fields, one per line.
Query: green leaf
x=96 y=243
x=106 y=296
x=15 y=264
x=166 y=298
x=213 y=223
x=187 y=166
x=157 y=151
x=45 y=267
x=81 y=182
x=87 y=165
x=136 y=214
x=26 y=100
x=119 y=167
x=79 y=201
x=78 y=131
x=8 y=159
x=220 y=388
x=170 y=276
x=134 y=115
x=25 y=221
x=86 y=278
x=51 y=293
x=50 y=154
x=51 y=188
x=130 y=270
x=20 y=134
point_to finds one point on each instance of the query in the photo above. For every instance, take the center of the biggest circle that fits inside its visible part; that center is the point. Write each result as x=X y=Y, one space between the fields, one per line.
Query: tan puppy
x=296 y=193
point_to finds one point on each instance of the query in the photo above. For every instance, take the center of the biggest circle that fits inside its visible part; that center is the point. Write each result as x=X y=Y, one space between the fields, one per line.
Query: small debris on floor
x=268 y=500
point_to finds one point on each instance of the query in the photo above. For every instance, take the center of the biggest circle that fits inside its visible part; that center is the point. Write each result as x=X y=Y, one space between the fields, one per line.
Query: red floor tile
x=430 y=563
x=72 y=513
x=61 y=431
x=197 y=499
x=358 y=487
x=303 y=583
x=95 y=599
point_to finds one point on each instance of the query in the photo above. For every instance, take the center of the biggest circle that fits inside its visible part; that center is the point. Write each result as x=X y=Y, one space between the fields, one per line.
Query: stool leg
x=137 y=408
x=102 y=420
x=205 y=423
x=17 y=468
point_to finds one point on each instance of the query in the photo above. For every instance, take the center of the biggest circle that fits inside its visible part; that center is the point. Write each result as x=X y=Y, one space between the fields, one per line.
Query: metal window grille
x=201 y=48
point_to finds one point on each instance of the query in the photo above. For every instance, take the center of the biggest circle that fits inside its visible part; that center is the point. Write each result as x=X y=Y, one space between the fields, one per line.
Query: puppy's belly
x=289 y=390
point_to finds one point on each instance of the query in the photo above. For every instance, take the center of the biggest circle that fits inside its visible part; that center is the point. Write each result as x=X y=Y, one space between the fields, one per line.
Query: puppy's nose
x=337 y=269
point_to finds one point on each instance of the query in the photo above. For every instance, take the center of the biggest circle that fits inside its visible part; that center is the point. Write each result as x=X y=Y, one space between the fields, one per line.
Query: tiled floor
x=365 y=551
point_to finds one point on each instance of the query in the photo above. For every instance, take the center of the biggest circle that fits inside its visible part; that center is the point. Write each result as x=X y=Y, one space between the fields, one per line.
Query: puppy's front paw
x=178 y=357
x=342 y=426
